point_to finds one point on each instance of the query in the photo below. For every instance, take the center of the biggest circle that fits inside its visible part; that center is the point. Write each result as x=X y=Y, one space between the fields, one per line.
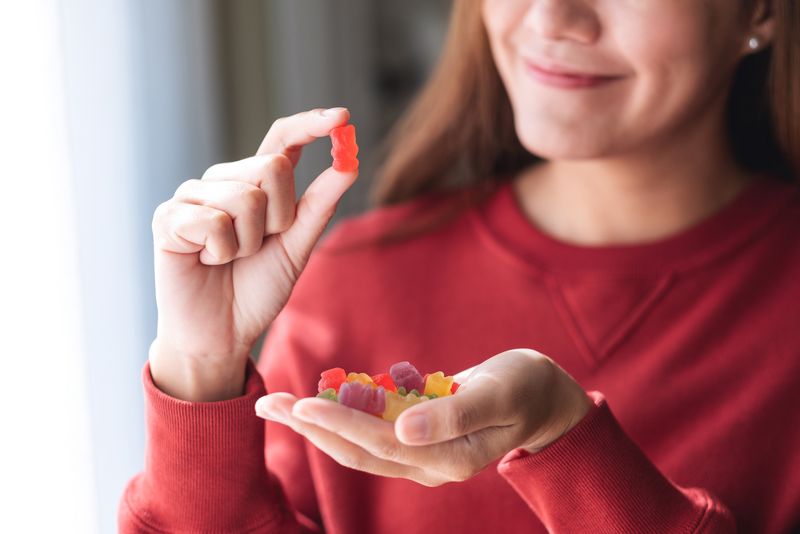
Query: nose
x=556 y=20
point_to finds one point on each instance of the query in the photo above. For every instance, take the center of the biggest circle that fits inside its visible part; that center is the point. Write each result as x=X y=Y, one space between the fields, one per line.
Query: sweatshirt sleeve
x=205 y=468
x=596 y=479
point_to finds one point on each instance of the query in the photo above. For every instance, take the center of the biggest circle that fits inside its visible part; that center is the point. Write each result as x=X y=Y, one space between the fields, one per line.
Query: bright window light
x=45 y=457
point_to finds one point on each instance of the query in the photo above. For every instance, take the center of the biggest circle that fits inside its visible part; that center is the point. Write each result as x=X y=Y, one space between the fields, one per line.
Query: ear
x=760 y=31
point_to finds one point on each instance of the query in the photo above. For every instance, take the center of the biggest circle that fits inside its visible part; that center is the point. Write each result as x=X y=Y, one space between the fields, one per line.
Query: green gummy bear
x=329 y=394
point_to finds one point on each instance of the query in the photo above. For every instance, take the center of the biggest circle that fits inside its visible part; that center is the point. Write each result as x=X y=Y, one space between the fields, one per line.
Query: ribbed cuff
x=595 y=478
x=204 y=464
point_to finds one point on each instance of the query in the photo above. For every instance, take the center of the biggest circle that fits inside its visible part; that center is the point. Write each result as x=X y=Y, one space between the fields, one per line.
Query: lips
x=557 y=76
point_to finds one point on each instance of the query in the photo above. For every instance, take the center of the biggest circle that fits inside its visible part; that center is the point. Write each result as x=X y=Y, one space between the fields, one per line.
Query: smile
x=566 y=80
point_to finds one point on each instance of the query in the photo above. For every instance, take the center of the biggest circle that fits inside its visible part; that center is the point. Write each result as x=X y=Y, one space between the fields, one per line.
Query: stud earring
x=753 y=43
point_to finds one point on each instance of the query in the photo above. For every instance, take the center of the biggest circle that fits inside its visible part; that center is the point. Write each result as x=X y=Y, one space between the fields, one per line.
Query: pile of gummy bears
x=384 y=395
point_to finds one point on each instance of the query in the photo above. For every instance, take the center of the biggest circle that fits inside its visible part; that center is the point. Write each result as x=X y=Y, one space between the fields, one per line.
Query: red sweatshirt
x=690 y=347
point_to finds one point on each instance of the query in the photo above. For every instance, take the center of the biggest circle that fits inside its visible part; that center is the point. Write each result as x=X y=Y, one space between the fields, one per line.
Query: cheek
x=682 y=67
x=501 y=18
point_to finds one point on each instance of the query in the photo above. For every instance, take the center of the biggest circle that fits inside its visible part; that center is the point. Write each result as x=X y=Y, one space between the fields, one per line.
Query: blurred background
x=106 y=106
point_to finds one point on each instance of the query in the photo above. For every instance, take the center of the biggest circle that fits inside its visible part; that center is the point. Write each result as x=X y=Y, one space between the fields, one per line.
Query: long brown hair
x=458 y=135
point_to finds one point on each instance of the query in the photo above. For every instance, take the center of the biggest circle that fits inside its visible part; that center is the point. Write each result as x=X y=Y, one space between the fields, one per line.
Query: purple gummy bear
x=406 y=375
x=363 y=397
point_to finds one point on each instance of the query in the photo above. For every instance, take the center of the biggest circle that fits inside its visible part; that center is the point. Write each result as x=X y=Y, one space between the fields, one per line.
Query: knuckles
x=186 y=187
x=462 y=420
x=275 y=165
x=211 y=172
x=219 y=222
x=158 y=215
x=278 y=124
x=254 y=199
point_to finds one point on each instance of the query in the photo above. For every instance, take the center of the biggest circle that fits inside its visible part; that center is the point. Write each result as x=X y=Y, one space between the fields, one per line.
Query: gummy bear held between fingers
x=344 y=148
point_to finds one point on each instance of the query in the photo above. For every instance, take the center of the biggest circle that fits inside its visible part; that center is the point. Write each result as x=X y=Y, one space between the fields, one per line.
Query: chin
x=563 y=143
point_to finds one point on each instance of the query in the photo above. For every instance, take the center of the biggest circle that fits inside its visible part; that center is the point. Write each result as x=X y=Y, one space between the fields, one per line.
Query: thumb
x=472 y=408
x=315 y=209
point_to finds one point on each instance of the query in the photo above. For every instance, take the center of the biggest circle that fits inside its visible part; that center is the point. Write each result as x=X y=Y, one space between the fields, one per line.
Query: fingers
x=318 y=203
x=476 y=406
x=352 y=425
x=255 y=197
x=300 y=223
x=278 y=407
x=226 y=215
x=351 y=455
x=371 y=433
x=288 y=135
x=189 y=228
x=314 y=210
x=356 y=437
x=244 y=203
x=274 y=175
x=454 y=460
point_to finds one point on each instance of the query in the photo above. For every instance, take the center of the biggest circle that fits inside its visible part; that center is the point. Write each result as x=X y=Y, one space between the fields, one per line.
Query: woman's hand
x=228 y=250
x=519 y=398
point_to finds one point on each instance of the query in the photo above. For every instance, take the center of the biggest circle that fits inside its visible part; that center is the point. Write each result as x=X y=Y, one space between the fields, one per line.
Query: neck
x=638 y=197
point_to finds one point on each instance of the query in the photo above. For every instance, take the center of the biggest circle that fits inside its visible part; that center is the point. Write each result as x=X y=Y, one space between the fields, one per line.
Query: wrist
x=197 y=378
x=569 y=405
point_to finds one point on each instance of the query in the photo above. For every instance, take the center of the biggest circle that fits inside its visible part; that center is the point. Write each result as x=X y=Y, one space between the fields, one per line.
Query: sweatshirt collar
x=506 y=228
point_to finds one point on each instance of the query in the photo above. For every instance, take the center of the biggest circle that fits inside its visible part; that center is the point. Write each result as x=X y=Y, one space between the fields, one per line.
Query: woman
x=592 y=205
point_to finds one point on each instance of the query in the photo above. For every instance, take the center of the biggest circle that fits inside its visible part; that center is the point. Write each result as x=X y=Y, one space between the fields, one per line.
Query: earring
x=753 y=43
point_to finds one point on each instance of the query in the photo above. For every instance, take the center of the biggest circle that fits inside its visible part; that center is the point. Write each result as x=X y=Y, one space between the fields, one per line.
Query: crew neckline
x=503 y=221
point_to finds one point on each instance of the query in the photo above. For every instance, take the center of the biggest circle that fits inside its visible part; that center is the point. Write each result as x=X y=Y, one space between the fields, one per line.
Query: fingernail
x=267 y=412
x=330 y=112
x=416 y=427
x=261 y=406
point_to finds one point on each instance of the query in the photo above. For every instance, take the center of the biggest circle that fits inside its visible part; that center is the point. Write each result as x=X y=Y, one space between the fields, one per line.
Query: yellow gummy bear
x=363 y=378
x=397 y=404
x=438 y=384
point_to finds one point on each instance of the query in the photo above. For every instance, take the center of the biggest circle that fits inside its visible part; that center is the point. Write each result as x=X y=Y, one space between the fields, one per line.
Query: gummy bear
x=406 y=375
x=363 y=397
x=438 y=384
x=344 y=148
x=332 y=378
x=362 y=378
x=397 y=404
x=454 y=387
x=385 y=380
x=329 y=394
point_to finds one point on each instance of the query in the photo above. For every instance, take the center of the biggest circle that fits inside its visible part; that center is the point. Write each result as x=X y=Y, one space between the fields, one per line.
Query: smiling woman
x=579 y=212
x=444 y=140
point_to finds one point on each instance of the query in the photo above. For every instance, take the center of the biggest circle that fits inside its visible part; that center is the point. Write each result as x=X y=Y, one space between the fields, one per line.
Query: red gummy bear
x=344 y=148
x=386 y=381
x=332 y=378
